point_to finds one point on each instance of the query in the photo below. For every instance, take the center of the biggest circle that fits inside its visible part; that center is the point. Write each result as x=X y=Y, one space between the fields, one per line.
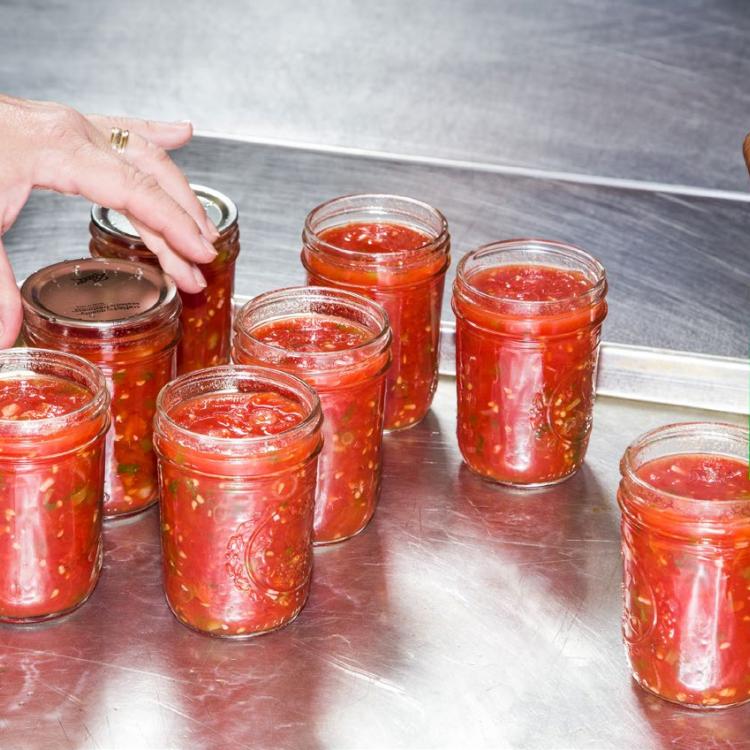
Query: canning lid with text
x=100 y=294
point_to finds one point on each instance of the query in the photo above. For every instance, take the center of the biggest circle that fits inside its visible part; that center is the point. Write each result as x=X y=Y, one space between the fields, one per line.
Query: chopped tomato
x=525 y=377
x=687 y=581
x=237 y=533
x=351 y=390
x=51 y=483
x=411 y=293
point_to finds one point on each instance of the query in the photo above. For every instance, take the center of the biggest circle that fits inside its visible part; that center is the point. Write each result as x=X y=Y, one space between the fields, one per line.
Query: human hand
x=48 y=145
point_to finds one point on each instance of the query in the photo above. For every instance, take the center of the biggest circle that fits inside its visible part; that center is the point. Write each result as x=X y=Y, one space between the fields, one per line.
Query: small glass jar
x=54 y=413
x=236 y=507
x=526 y=369
x=125 y=318
x=340 y=344
x=399 y=260
x=206 y=315
x=686 y=563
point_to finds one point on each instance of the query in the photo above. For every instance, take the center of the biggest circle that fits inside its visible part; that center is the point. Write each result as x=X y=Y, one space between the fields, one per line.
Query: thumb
x=746 y=151
x=10 y=303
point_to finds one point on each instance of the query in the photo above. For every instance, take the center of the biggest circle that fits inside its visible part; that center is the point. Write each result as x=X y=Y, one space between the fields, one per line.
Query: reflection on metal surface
x=645 y=373
x=484 y=166
x=465 y=615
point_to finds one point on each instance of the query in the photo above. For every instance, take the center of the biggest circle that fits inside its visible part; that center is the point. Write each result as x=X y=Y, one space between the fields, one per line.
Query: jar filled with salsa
x=238 y=452
x=206 y=315
x=54 y=413
x=125 y=318
x=685 y=503
x=529 y=316
x=339 y=343
x=396 y=251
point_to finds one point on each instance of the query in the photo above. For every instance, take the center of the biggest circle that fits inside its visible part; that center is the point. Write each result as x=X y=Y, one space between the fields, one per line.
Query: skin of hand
x=51 y=146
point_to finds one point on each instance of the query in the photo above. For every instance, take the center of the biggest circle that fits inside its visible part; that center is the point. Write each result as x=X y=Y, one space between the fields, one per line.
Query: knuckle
x=62 y=163
x=141 y=181
x=59 y=122
x=157 y=248
x=157 y=155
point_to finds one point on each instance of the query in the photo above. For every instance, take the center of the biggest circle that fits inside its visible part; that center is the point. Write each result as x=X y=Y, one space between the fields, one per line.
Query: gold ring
x=119 y=139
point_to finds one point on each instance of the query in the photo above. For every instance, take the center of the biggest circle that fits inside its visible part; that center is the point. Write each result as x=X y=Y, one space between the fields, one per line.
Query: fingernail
x=198 y=276
x=181 y=123
x=209 y=247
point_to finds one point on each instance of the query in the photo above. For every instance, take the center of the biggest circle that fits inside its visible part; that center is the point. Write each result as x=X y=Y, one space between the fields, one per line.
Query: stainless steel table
x=466 y=615
x=644 y=89
x=678 y=265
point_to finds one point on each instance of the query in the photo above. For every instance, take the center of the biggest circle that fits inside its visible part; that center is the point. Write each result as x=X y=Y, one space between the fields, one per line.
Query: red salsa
x=401 y=266
x=51 y=483
x=342 y=350
x=312 y=333
x=700 y=476
x=40 y=397
x=124 y=318
x=686 y=554
x=206 y=316
x=375 y=237
x=527 y=343
x=531 y=283
x=239 y=415
x=238 y=453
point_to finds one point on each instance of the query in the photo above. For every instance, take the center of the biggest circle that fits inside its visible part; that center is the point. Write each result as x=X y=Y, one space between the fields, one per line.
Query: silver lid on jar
x=98 y=292
x=219 y=208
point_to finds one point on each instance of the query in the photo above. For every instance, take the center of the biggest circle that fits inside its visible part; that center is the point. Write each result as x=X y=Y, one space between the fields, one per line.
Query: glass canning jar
x=528 y=325
x=238 y=451
x=206 y=315
x=54 y=413
x=685 y=503
x=339 y=343
x=396 y=251
x=123 y=317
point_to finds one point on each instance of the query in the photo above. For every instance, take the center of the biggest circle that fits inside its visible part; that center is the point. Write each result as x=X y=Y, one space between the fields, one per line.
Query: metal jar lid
x=100 y=293
x=220 y=209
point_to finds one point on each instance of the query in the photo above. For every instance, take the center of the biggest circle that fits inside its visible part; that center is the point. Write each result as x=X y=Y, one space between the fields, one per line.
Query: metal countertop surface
x=643 y=89
x=466 y=615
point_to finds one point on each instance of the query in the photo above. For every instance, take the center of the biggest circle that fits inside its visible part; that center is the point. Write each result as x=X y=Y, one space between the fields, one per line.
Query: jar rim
x=628 y=468
x=340 y=297
x=27 y=360
x=221 y=209
x=234 y=373
x=589 y=296
x=438 y=242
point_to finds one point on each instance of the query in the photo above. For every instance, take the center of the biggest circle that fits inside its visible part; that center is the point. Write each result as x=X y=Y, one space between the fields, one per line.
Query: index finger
x=153 y=159
x=101 y=176
x=10 y=303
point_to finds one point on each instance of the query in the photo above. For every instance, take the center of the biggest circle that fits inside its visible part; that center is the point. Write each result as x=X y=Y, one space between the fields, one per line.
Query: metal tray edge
x=643 y=373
